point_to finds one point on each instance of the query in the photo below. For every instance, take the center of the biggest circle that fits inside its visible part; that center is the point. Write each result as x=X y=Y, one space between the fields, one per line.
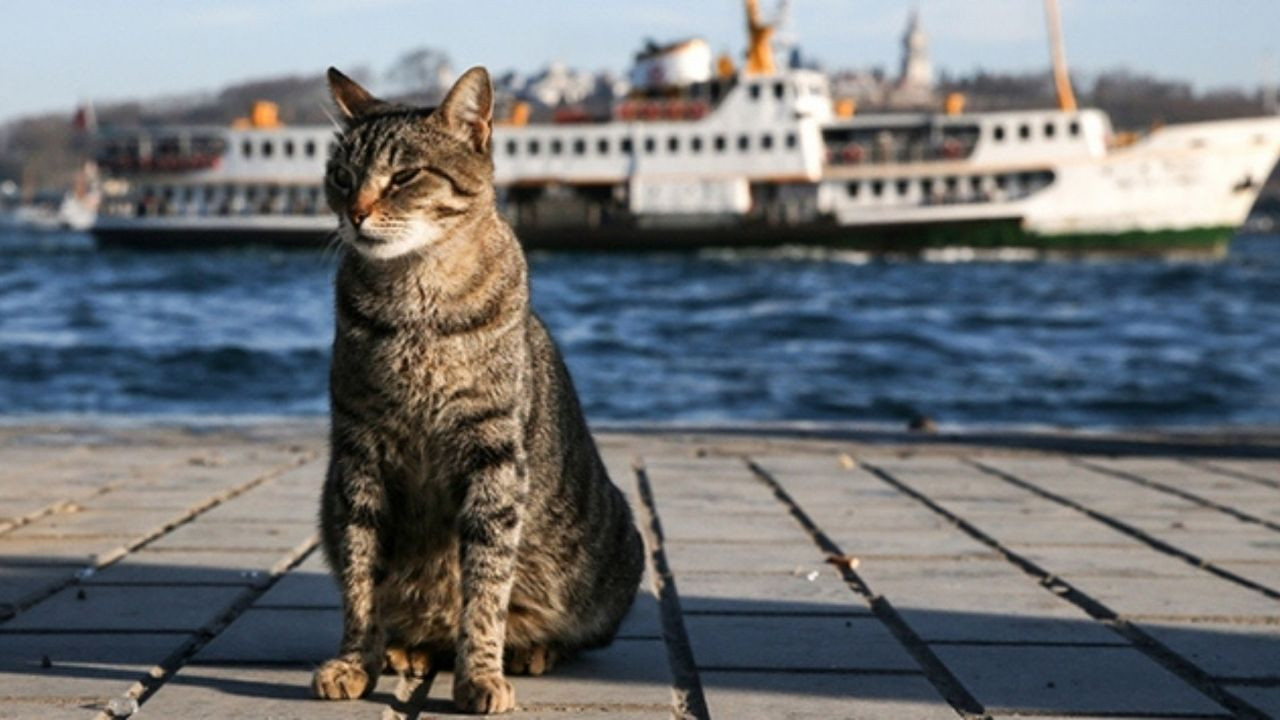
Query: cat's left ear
x=350 y=98
x=467 y=110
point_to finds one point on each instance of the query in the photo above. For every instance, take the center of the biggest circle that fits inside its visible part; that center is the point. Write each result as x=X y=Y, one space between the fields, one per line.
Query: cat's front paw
x=484 y=694
x=341 y=679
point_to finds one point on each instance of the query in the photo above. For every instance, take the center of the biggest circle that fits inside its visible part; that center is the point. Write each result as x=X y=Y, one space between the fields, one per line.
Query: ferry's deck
x=795 y=572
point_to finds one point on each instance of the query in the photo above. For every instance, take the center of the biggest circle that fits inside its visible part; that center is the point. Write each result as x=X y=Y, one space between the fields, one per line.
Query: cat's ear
x=467 y=111
x=351 y=99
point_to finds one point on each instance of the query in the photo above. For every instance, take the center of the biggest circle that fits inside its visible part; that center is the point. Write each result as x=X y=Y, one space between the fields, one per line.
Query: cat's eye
x=404 y=177
x=341 y=179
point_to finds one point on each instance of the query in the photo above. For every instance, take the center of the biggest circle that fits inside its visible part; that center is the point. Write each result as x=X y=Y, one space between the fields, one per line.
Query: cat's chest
x=418 y=372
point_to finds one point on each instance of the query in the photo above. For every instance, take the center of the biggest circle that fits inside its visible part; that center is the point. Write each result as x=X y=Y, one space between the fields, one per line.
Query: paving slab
x=123 y=608
x=286 y=637
x=303 y=589
x=1266 y=699
x=644 y=620
x=235 y=536
x=759 y=625
x=737 y=642
x=837 y=696
x=1071 y=680
x=625 y=674
x=1204 y=596
x=20 y=583
x=82 y=673
x=767 y=593
x=1225 y=650
x=202 y=692
x=93 y=523
x=194 y=567
x=715 y=525
x=1130 y=560
x=739 y=557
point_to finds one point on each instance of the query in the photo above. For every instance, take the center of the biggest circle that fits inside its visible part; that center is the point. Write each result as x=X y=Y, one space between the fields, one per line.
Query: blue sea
x=718 y=336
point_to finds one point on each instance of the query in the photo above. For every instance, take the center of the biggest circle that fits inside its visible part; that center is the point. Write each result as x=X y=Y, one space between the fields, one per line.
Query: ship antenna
x=1061 y=78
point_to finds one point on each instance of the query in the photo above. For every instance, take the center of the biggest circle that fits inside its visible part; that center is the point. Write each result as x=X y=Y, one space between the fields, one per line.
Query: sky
x=56 y=53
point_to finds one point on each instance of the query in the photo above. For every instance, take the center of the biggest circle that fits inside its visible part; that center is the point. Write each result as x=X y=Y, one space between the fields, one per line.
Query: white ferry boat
x=704 y=154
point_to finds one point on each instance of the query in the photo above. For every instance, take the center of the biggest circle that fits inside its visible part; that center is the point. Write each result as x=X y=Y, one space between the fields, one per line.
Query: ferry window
x=267 y=148
x=744 y=142
x=695 y=143
x=877 y=187
x=951 y=184
x=755 y=91
x=602 y=146
x=853 y=188
x=534 y=147
x=791 y=141
x=975 y=182
x=208 y=193
x=778 y=90
x=512 y=147
x=903 y=187
x=625 y=145
x=926 y=187
x=673 y=144
x=720 y=143
x=246 y=149
x=288 y=148
x=251 y=193
x=579 y=146
x=1002 y=181
x=1050 y=129
x=649 y=145
x=1024 y=131
x=556 y=146
x=998 y=133
x=310 y=148
x=1074 y=128
x=766 y=141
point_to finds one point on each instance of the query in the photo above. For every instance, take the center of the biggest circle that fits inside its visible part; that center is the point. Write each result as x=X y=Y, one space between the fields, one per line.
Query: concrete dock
x=794 y=572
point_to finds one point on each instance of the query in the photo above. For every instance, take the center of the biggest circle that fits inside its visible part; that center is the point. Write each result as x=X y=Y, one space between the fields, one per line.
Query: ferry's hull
x=982 y=235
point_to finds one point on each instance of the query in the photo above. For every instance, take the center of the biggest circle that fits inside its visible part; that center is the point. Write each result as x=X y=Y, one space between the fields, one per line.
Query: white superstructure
x=704 y=153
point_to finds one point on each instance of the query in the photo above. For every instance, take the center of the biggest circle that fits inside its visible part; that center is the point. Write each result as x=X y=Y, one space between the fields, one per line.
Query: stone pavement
x=173 y=573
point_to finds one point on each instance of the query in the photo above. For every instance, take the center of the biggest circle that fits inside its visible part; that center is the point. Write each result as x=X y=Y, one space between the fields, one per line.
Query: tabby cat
x=466 y=513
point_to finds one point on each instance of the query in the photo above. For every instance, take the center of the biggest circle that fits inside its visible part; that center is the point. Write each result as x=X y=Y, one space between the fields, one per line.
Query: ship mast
x=759 y=52
x=1061 y=79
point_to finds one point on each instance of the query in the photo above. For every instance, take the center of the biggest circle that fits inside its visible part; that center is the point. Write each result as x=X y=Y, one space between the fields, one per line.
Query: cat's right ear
x=351 y=99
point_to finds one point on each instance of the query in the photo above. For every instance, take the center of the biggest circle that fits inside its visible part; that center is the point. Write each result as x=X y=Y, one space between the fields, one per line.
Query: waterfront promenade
x=794 y=573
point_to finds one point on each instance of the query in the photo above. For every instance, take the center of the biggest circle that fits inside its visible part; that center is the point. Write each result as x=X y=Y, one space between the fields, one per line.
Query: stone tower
x=915 y=81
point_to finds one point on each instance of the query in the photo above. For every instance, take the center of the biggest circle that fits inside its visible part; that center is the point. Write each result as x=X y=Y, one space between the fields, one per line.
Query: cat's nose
x=358 y=215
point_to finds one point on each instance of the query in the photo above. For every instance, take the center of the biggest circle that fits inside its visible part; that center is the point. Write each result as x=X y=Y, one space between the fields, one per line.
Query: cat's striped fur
x=466 y=512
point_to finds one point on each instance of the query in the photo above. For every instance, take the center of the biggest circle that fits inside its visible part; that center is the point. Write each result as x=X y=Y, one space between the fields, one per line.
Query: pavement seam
x=1176 y=492
x=144 y=689
x=1134 y=532
x=690 y=703
x=1161 y=654
x=1231 y=472
x=117 y=553
x=58 y=507
x=937 y=673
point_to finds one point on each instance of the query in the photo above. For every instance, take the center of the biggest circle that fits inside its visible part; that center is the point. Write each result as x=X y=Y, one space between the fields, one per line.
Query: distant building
x=912 y=89
x=914 y=86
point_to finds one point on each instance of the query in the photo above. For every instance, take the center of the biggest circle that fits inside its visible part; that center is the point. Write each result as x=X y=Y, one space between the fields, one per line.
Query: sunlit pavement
x=794 y=572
